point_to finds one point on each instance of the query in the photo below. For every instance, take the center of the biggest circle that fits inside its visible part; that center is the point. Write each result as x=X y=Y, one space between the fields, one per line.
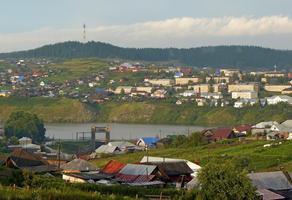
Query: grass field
x=48 y=109
x=76 y=68
x=250 y=154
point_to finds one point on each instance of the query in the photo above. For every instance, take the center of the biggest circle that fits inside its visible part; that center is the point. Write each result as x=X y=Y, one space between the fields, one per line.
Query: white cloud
x=177 y=32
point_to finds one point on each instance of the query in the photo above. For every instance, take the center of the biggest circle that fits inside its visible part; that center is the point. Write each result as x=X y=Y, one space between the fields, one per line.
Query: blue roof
x=178 y=74
x=150 y=140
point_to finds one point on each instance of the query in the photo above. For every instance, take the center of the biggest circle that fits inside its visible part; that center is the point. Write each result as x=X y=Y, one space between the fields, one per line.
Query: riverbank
x=62 y=110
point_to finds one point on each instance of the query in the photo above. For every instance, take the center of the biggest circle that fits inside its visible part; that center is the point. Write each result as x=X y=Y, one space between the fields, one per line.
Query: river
x=119 y=131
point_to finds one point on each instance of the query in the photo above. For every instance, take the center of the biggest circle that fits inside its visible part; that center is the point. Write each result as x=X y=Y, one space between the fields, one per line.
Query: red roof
x=113 y=167
x=242 y=128
x=221 y=133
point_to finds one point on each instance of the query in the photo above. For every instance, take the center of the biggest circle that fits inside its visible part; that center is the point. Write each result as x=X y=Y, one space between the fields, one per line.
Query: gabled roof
x=137 y=169
x=269 y=195
x=78 y=165
x=242 y=128
x=220 y=133
x=106 y=149
x=191 y=165
x=287 y=123
x=174 y=168
x=21 y=158
x=270 y=180
x=264 y=124
x=112 y=167
x=121 y=144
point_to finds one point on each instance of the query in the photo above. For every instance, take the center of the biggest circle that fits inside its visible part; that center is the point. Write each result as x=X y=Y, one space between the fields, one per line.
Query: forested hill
x=236 y=56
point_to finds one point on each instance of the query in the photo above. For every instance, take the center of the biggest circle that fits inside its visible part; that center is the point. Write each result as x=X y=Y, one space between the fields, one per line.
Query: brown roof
x=21 y=158
x=219 y=133
x=242 y=128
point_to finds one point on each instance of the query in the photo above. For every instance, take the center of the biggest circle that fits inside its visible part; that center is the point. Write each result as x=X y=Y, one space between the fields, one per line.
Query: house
x=194 y=167
x=276 y=88
x=123 y=145
x=147 y=142
x=84 y=177
x=188 y=93
x=217 y=134
x=242 y=129
x=201 y=101
x=244 y=102
x=159 y=94
x=137 y=173
x=25 y=141
x=262 y=127
x=283 y=130
x=279 y=99
x=243 y=87
x=174 y=171
x=21 y=159
x=244 y=95
x=211 y=95
x=144 y=89
x=275 y=74
x=78 y=165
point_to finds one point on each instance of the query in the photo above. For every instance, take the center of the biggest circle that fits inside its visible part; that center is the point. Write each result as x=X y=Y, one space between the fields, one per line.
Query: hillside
x=217 y=56
x=70 y=110
x=50 y=110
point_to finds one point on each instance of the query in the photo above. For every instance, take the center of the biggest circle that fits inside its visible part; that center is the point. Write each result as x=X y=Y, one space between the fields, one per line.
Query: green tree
x=25 y=124
x=225 y=181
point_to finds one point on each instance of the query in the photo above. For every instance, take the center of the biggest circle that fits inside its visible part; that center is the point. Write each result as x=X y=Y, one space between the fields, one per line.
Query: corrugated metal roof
x=269 y=195
x=79 y=165
x=135 y=169
x=112 y=167
x=106 y=149
x=270 y=180
x=134 y=178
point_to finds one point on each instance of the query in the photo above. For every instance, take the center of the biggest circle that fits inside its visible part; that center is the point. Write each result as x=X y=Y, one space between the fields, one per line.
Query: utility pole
x=59 y=154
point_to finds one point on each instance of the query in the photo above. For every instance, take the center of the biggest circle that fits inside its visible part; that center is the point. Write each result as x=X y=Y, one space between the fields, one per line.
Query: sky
x=146 y=23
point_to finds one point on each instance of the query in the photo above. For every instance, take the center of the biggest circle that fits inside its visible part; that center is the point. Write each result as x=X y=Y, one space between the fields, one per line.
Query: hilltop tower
x=84 y=33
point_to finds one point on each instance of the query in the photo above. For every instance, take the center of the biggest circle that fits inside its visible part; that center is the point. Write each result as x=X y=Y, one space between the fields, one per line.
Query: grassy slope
x=258 y=157
x=165 y=113
x=76 y=68
x=48 y=109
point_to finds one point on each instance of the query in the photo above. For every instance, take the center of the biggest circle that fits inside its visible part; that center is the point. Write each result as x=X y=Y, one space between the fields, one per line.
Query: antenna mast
x=84 y=32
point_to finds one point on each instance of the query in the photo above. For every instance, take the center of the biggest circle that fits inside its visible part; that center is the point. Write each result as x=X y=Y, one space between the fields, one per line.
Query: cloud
x=273 y=31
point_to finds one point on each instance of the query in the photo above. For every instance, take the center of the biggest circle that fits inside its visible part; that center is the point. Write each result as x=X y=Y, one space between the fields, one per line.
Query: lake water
x=119 y=131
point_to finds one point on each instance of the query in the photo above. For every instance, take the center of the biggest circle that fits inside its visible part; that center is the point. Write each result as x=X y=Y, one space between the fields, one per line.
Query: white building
x=244 y=102
x=244 y=95
x=188 y=93
x=279 y=99
x=211 y=95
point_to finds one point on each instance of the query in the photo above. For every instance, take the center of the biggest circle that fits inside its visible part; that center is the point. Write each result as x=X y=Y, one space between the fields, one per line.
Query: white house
x=188 y=93
x=243 y=102
x=279 y=99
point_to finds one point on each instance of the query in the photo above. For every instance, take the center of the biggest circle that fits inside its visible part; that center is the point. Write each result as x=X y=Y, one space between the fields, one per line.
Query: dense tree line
x=218 y=56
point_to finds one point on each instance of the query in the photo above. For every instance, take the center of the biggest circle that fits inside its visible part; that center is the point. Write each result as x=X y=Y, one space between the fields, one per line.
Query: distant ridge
x=217 y=56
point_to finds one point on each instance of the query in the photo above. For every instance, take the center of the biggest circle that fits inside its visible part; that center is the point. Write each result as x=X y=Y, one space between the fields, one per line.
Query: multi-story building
x=186 y=80
x=161 y=82
x=243 y=87
x=244 y=95
x=276 y=88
